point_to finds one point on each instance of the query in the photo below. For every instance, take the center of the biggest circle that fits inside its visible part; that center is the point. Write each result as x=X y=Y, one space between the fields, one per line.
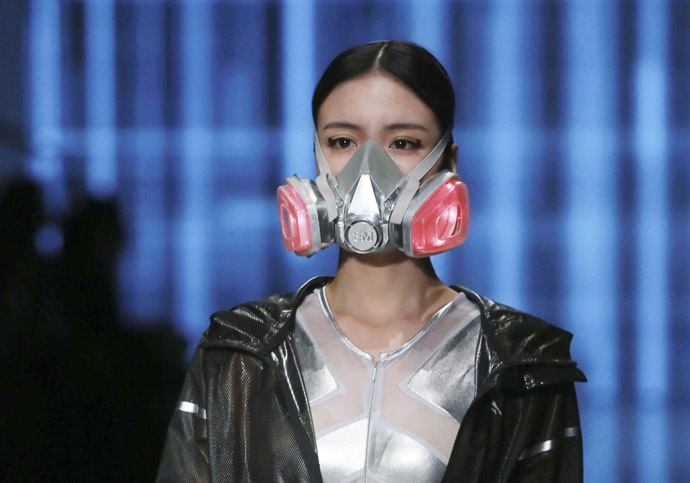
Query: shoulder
x=515 y=336
x=257 y=326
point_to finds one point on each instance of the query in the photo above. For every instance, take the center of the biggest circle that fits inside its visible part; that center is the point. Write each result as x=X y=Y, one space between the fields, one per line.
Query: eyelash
x=333 y=142
x=412 y=143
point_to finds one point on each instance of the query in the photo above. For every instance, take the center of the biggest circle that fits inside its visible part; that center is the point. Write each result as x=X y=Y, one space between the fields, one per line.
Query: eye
x=340 y=143
x=406 y=144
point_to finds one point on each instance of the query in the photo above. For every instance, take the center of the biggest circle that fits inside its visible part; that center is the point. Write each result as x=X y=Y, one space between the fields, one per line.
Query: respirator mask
x=371 y=206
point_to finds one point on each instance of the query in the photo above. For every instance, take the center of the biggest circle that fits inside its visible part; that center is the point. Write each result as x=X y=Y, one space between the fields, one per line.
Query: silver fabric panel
x=447 y=380
x=395 y=456
x=342 y=453
x=190 y=407
x=549 y=444
x=389 y=420
x=318 y=380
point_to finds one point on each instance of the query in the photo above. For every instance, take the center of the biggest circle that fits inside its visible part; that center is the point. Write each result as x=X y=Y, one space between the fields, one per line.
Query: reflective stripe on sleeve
x=549 y=444
x=190 y=407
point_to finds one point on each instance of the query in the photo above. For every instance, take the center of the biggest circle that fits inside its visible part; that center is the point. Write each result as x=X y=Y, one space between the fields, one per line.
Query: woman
x=381 y=373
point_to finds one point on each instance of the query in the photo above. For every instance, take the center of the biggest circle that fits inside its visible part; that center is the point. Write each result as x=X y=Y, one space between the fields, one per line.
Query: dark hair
x=410 y=63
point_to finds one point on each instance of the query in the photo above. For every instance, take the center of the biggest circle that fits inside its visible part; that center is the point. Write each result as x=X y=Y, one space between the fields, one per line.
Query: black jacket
x=249 y=419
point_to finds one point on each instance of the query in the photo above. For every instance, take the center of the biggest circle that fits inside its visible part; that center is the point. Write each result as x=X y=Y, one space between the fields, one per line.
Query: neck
x=381 y=288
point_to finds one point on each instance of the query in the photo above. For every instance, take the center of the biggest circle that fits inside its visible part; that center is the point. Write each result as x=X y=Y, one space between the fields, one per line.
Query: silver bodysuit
x=395 y=419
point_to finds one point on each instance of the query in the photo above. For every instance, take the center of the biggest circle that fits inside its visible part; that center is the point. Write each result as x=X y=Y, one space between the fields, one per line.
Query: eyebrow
x=340 y=125
x=390 y=127
x=405 y=125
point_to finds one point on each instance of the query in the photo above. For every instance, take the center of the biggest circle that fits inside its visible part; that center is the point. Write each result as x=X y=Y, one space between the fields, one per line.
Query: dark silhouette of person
x=21 y=214
x=29 y=335
x=93 y=393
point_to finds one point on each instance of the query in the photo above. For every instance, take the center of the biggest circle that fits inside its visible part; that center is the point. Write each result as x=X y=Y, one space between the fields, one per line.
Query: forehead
x=375 y=99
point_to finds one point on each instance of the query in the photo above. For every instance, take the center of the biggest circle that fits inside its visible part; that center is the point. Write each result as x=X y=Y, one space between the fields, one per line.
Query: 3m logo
x=363 y=236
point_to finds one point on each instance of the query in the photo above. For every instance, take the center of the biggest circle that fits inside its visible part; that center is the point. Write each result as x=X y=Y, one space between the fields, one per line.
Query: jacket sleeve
x=549 y=441
x=185 y=453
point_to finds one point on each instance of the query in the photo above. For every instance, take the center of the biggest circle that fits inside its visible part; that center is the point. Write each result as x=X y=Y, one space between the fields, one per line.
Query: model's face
x=379 y=107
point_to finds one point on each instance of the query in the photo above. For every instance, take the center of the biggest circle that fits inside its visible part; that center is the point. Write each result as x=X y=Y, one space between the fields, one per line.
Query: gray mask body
x=366 y=186
x=369 y=195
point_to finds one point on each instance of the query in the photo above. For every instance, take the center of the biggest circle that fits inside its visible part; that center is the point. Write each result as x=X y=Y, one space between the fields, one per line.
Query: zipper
x=371 y=407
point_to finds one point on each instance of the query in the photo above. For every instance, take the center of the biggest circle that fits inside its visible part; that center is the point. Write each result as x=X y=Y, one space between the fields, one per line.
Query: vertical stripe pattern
x=572 y=124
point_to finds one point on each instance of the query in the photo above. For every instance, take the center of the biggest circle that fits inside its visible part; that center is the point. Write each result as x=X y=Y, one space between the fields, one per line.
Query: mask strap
x=321 y=164
x=325 y=180
x=412 y=179
x=427 y=163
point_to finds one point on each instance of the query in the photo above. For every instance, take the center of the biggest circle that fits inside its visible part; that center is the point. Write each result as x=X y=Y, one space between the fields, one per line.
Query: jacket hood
x=518 y=337
x=513 y=339
x=258 y=327
x=520 y=350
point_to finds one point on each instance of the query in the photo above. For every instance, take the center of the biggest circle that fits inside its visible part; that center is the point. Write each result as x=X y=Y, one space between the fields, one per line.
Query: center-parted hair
x=410 y=63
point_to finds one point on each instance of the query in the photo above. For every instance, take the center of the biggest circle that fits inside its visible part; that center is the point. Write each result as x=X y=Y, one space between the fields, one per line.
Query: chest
x=394 y=419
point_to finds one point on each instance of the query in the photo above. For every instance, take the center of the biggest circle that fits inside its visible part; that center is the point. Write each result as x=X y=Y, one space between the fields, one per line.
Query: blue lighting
x=507 y=112
x=591 y=223
x=194 y=218
x=652 y=321
x=101 y=169
x=45 y=42
x=572 y=120
x=49 y=240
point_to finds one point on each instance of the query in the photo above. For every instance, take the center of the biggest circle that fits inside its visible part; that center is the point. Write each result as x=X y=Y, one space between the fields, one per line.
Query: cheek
x=337 y=161
x=406 y=162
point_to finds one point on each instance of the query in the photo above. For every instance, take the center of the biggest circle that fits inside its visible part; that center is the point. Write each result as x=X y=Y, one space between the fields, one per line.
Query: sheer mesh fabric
x=237 y=418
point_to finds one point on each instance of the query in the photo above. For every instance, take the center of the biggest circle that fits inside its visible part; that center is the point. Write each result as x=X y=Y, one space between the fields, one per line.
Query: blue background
x=573 y=123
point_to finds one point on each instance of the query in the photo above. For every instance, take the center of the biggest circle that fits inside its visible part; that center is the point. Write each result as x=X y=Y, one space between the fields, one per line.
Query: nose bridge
x=372 y=159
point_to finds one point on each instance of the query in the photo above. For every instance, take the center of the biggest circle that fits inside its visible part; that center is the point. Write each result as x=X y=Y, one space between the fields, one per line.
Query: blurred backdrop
x=142 y=141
